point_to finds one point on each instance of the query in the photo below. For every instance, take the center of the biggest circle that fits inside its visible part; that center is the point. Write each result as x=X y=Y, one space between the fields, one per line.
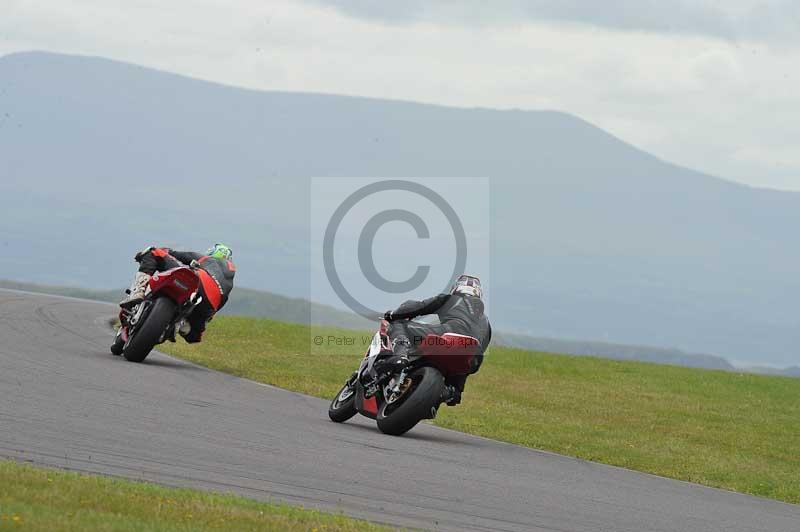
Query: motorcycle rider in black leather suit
x=461 y=312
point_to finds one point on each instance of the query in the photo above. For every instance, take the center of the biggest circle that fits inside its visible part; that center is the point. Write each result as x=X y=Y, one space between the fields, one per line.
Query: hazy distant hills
x=248 y=302
x=622 y=352
x=593 y=240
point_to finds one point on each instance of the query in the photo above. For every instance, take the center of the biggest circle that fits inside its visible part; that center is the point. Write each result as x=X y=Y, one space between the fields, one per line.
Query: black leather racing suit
x=215 y=286
x=458 y=313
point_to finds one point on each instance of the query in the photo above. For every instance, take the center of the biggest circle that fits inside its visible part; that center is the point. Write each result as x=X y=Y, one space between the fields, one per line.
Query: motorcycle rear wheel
x=146 y=336
x=420 y=402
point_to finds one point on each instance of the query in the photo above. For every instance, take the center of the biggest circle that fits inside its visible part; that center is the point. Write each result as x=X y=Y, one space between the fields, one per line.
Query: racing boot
x=400 y=347
x=454 y=386
x=451 y=395
x=184 y=328
x=137 y=291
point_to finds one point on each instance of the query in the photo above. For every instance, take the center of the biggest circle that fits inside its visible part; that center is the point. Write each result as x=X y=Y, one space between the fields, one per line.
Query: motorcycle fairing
x=178 y=283
x=451 y=353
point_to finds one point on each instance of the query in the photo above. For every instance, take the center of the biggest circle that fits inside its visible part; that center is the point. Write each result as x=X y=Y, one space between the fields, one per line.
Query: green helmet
x=220 y=251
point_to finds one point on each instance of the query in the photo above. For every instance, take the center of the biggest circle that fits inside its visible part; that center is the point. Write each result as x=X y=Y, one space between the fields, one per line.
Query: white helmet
x=467 y=285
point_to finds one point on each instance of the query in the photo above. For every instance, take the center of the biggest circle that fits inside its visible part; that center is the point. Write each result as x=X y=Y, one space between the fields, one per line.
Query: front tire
x=147 y=335
x=418 y=403
x=118 y=345
x=343 y=406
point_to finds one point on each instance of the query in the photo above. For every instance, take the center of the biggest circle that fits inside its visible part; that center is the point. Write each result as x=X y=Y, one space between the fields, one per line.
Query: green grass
x=34 y=499
x=730 y=430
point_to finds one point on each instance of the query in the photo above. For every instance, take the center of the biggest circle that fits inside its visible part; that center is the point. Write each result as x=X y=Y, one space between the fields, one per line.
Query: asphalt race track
x=66 y=402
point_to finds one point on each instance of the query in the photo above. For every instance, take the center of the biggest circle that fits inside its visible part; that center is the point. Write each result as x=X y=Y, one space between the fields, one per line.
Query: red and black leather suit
x=216 y=281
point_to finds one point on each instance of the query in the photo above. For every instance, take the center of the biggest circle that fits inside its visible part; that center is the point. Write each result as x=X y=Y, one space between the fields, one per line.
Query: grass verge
x=729 y=430
x=35 y=499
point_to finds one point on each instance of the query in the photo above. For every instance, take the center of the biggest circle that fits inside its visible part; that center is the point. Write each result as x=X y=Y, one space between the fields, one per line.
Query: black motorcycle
x=401 y=398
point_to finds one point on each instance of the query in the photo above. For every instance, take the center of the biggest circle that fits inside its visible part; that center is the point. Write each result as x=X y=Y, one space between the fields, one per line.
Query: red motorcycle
x=402 y=397
x=171 y=297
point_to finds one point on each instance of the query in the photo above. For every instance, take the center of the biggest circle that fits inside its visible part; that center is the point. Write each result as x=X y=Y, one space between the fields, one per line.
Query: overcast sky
x=709 y=84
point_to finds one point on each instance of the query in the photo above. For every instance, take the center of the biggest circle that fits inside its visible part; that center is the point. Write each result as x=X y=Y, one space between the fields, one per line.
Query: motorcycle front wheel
x=119 y=344
x=343 y=406
x=147 y=334
x=420 y=401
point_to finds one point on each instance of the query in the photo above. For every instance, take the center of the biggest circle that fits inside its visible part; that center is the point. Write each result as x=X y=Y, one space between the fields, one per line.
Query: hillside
x=592 y=239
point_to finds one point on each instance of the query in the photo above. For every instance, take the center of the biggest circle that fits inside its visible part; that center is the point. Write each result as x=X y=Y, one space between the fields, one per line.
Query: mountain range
x=591 y=238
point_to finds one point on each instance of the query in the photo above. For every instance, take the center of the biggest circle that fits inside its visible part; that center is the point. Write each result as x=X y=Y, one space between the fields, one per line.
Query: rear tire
x=343 y=409
x=421 y=402
x=146 y=336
